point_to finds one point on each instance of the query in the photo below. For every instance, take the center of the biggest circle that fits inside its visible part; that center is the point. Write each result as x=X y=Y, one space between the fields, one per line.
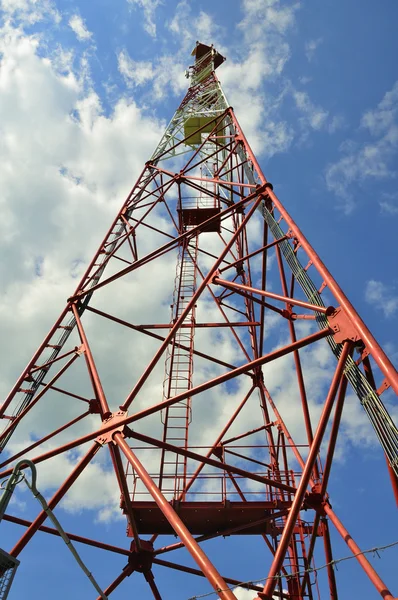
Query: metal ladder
x=178 y=375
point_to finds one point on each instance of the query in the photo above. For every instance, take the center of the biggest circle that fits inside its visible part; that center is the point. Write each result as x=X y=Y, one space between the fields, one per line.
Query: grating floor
x=8 y=566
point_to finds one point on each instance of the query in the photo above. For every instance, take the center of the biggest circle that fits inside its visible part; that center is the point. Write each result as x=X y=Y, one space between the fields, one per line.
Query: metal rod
x=211 y=573
x=209 y=461
x=256 y=201
x=361 y=558
x=294 y=301
x=374 y=348
x=305 y=477
x=72 y=536
x=92 y=369
x=196 y=390
x=57 y=497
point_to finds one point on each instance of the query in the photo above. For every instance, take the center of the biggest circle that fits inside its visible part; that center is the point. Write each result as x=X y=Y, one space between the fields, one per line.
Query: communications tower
x=205 y=407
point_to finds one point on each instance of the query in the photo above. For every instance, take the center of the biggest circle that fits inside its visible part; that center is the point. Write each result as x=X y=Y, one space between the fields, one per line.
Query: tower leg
x=309 y=465
x=361 y=558
x=329 y=559
x=181 y=530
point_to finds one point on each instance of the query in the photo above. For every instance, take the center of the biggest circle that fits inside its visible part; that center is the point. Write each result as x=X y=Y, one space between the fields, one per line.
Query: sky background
x=86 y=90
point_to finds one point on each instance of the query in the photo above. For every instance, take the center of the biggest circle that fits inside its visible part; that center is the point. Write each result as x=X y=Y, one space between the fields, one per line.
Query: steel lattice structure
x=203 y=206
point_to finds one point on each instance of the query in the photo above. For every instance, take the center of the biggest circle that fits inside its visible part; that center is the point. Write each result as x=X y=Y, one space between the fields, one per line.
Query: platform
x=206 y=518
x=191 y=217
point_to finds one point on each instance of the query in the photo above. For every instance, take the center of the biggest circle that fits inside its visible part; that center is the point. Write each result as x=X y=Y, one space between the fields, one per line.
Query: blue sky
x=86 y=90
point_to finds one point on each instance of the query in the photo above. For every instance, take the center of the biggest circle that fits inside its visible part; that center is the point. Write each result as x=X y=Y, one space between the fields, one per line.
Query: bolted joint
x=267 y=198
x=322 y=511
x=216 y=274
x=384 y=386
x=257 y=376
x=288 y=314
x=94 y=406
x=239 y=268
x=114 y=419
x=179 y=177
x=141 y=558
x=313 y=499
x=343 y=328
x=219 y=451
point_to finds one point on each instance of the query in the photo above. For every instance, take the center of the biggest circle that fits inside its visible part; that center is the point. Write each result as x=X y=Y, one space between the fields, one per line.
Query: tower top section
x=207 y=59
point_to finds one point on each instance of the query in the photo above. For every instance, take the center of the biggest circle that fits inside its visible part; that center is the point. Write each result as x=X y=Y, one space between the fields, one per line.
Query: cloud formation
x=77 y=24
x=383 y=297
x=149 y=10
x=372 y=159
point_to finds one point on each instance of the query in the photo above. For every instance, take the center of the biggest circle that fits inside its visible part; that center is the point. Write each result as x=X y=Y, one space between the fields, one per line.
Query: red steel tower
x=203 y=445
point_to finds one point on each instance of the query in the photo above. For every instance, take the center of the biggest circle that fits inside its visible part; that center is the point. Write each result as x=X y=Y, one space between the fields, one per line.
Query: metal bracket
x=140 y=559
x=107 y=436
x=95 y=406
x=384 y=386
x=342 y=327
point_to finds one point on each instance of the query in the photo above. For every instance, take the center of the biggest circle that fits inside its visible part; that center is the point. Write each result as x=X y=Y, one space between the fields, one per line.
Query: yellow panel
x=194 y=123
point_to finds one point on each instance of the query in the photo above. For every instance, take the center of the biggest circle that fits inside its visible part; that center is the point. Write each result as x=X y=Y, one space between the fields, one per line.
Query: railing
x=215 y=487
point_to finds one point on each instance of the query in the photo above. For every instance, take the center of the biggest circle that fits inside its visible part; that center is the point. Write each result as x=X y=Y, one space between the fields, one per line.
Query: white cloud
x=383 y=118
x=188 y=27
x=382 y=297
x=135 y=73
x=265 y=52
x=165 y=74
x=30 y=11
x=370 y=159
x=77 y=24
x=313 y=116
x=266 y=15
x=149 y=8
x=243 y=594
x=65 y=166
x=87 y=162
x=337 y=122
x=277 y=136
x=389 y=203
x=310 y=48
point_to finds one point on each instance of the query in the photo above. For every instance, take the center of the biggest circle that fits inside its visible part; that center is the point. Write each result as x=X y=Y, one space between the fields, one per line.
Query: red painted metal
x=231 y=581
x=47 y=437
x=293 y=301
x=95 y=380
x=177 y=524
x=329 y=561
x=361 y=558
x=222 y=473
x=57 y=497
x=72 y=536
x=374 y=348
x=301 y=490
x=119 y=579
